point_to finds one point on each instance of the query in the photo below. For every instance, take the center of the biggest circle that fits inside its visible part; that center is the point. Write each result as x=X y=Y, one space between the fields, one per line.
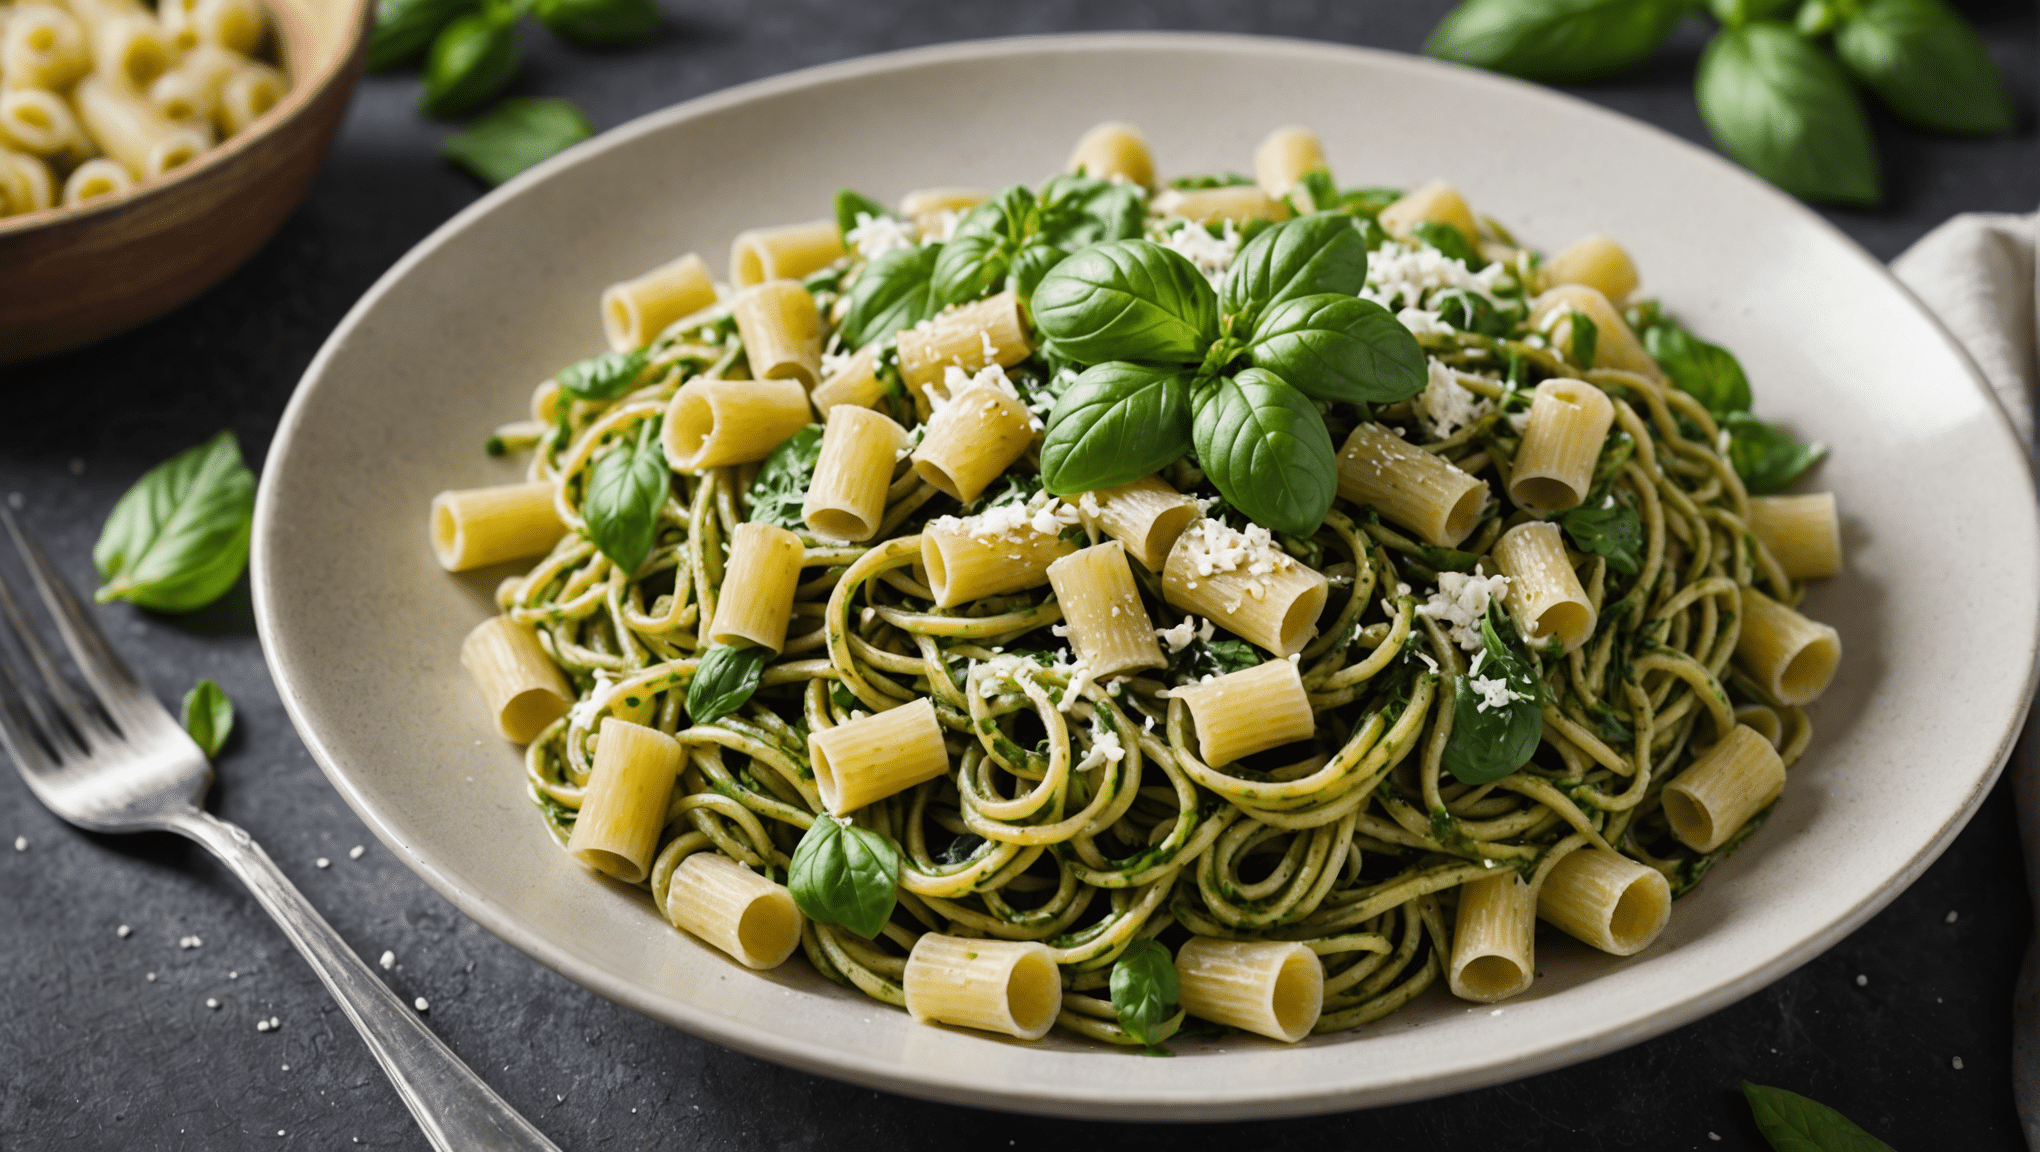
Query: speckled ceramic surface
x=1938 y=609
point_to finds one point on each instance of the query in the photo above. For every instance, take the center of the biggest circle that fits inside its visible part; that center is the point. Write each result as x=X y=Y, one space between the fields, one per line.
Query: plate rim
x=1101 y=1100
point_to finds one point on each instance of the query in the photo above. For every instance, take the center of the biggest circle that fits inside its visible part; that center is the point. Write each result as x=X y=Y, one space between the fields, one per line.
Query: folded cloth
x=1977 y=272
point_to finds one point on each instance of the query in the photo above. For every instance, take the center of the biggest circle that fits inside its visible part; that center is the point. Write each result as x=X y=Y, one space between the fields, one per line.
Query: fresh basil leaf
x=1030 y=264
x=178 y=539
x=1201 y=658
x=1450 y=243
x=1767 y=458
x=472 y=59
x=1817 y=18
x=1210 y=180
x=895 y=292
x=851 y=204
x=1469 y=311
x=1340 y=348
x=600 y=23
x=1314 y=192
x=1145 y=988
x=1264 y=445
x=1307 y=256
x=603 y=377
x=1793 y=1123
x=1707 y=372
x=1114 y=424
x=1367 y=202
x=1612 y=530
x=777 y=495
x=1736 y=13
x=627 y=490
x=1786 y=111
x=1489 y=741
x=724 y=680
x=1586 y=336
x=843 y=874
x=1127 y=300
x=1078 y=211
x=1555 y=41
x=403 y=29
x=971 y=265
x=515 y=135
x=1928 y=64
x=208 y=716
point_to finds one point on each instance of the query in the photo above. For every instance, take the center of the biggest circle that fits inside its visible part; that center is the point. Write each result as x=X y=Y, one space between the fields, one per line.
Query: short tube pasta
x=235 y=24
x=926 y=207
x=246 y=94
x=781 y=330
x=43 y=46
x=1237 y=202
x=96 y=178
x=26 y=184
x=992 y=331
x=757 y=590
x=972 y=440
x=623 y=808
x=1493 y=940
x=1722 y=788
x=183 y=98
x=127 y=46
x=870 y=758
x=1249 y=711
x=1569 y=421
x=636 y=310
x=482 y=526
x=1109 y=627
x=1007 y=986
x=1114 y=151
x=1596 y=261
x=855 y=383
x=1607 y=900
x=786 y=253
x=1147 y=516
x=1804 y=533
x=1245 y=583
x=752 y=919
x=1437 y=202
x=1615 y=345
x=846 y=499
x=1545 y=594
x=131 y=130
x=1419 y=490
x=1792 y=657
x=38 y=121
x=1285 y=157
x=710 y=423
x=991 y=554
x=1270 y=988
x=524 y=688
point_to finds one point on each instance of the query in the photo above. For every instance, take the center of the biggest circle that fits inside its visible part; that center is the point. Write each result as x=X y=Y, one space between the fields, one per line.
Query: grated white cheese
x=1403 y=275
x=875 y=236
x=1445 y=405
x=1460 y=602
x=1493 y=693
x=1422 y=323
x=1180 y=636
x=1212 y=255
x=1042 y=515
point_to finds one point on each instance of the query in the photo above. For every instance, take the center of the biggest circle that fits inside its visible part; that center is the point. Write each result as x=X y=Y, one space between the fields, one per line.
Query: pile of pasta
x=1132 y=715
x=98 y=96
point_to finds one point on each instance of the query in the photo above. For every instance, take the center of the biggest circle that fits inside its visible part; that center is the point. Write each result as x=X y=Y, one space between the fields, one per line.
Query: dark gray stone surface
x=94 y=1055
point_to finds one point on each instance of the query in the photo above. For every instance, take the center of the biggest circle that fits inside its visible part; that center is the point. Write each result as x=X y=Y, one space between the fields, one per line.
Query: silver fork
x=113 y=760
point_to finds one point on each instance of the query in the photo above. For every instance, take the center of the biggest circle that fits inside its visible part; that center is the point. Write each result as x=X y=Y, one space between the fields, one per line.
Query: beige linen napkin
x=1977 y=273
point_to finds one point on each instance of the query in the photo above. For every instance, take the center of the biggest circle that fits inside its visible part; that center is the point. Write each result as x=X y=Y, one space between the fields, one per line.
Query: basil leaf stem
x=208 y=716
x=516 y=135
x=1266 y=448
x=178 y=539
x=1792 y=1123
x=725 y=678
x=844 y=874
x=1115 y=423
x=1784 y=109
x=1497 y=707
x=1145 y=988
x=626 y=491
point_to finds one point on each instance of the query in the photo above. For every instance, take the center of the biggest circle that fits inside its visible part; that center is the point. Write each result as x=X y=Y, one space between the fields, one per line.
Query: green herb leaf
x=627 y=489
x=894 y=293
x=472 y=59
x=843 y=874
x=1817 y=18
x=1925 y=61
x=178 y=539
x=1115 y=424
x=1793 y=1123
x=1367 y=202
x=724 y=680
x=1450 y=243
x=1768 y=458
x=1314 y=192
x=1489 y=741
x=1030 y=265
x=600 y=23
x=1127 y=300
x=403 y=28
x=1736 y=13
x=1145 y=988
x=1555 y=40
x=1707 y=372
x=1210 y=180
x=778 y=494
x=850 y=204
x=1340 y=348
x=1612 y=530
x=1200 y=658
x=603 y=377
x=516 y=135
x=969 y=267
x=208 y=716
x=1586 y=335
x=1264 y=445
x=1786 y=111
x=1077 y=212
x=1308 y=256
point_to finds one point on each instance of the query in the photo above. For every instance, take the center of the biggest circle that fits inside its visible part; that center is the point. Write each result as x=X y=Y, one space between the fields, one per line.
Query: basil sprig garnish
x=778 y=494
x=1557 y=41
x=726 y=677
x=1145 y=988
x=1117 y=422
x=843 y=874
x=626 y=491
x=208 y=716
x=1489 y=741
x=1013 y=239
x=1614 y=532
x=893 y=293
x=603 y=377
x=178 y=539
x=851 y=204
x=1258 y=436
x=1792 y=1123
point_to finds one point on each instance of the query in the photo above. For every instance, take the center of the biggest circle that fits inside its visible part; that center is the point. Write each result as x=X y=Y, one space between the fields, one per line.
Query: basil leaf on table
x=1145 y=988
x=516 y=135
x=1340 y=348
x=1127 y=300
x=843 y=874
x=1450 y=242
x=1555 y=40
x=178 y=539
x=471 y=60
x=1113 y=425
x=1767 y=458
x=1928 y=64
x=724 y=680
x=1264 y=445
x=1793 y=1123
x=1786 y=111
x=208 y=717
x=403 y=29
x=894 y=293
x=1489 y=741
x=1586 y=337
x=1707 y=372
x=850 y=204
x=1308 y=256
x=627 y=489
x=603 y=377
x=971 y=265
x=1612 y=531
x=600 y=23
x=778 y=494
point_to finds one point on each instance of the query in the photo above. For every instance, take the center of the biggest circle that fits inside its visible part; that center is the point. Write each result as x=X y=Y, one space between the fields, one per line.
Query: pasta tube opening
x=1270 y=988
x=1249 y=711
x=623 y=808
x=752 y=919
x=1554 y=468
x=1607 y=900
x=1419 y=490
x=1544 y=591
x=96 y=178
x=710 y=423
x=994 y=553
x=635 y=311
x=972 y=440
x=1493 y=939
x=1009 y=986
x=1794 y=658
x=483 y=526
x=524 y=688
x=1722 y=788
x=871 y=758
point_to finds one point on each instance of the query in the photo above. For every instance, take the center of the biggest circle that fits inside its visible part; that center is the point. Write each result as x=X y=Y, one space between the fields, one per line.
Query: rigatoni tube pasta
x=131 y=131
x=623 y=807
x=855 y=382
x=781 y=330
x=1419 y=490
x=972 y=440
x=1114 y=151
x=1615 y=344
x=1790 y=656
x=749 y=917
x=1607 y=900
x=1285 y=157
x=846 y=499
x=1804 y=533
x=1109 y=626
x=1596 y=261
x=1245 y=582
x=26 y=183
x=710 y=423
x=929 y=208
x=868 y=759
x=1002 y=550
x=1269 y=988
x=43 y=46
x=785 y=253
x=1249 y=711
x=1235 y=202
x=991 y=331
x=1569 y=420
x=481 y=526
x=1722 y=788
x=1437 y=202
x=757 y=590
x=636 y=310
x=37 y=120
x=524 y=688
x=1146 y=515
x=96 y=178
x=1007 y=986
x=1544 y=591
x=1494 y=939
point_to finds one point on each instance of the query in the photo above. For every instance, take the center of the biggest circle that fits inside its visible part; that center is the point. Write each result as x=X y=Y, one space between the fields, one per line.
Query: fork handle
x=458 y=1112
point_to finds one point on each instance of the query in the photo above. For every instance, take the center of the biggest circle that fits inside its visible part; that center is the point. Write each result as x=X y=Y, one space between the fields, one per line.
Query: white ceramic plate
x=1937 y=611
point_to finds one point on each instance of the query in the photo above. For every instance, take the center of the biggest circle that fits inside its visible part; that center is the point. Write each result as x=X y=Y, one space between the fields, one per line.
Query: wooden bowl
x=75 y=275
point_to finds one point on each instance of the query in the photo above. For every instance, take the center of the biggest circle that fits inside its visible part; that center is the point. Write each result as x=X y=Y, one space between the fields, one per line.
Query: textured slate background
x=94 y=1055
